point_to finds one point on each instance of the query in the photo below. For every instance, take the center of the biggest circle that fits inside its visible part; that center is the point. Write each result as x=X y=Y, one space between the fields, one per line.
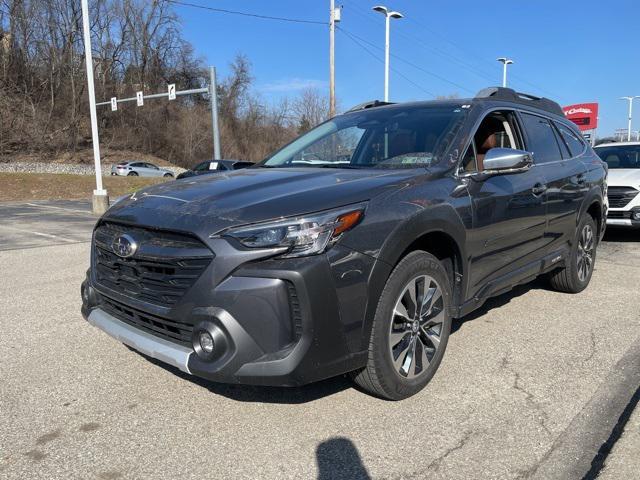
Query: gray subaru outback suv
x=351 y=249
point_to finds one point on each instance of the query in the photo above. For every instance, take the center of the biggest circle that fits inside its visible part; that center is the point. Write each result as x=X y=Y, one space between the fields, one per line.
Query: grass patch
x=16 y=187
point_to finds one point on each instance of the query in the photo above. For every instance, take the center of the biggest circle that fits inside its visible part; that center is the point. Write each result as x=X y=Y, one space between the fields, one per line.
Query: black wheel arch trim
x=594 y=197
x=441 y=218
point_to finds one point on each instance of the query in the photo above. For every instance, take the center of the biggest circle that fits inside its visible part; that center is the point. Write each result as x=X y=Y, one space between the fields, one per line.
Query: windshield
x=376 y=138
x=620 y=156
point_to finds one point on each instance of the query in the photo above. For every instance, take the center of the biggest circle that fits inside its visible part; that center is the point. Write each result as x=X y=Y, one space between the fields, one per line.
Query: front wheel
x=132 y=174
x=576 y=274
x=410 y=330
x=167 y=175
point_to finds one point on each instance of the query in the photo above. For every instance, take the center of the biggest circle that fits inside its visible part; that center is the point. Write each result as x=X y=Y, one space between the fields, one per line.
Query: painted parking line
x=40 y=234
x=84 y=212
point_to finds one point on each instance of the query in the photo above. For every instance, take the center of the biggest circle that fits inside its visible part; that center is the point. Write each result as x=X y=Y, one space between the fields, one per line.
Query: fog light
x=206 y=342
x=636 y=215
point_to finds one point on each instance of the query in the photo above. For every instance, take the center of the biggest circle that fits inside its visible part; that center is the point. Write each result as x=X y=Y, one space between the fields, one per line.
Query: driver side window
x=201 y=167
x=497 y=130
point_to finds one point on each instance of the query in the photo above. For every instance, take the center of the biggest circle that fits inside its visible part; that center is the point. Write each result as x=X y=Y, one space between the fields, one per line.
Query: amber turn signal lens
x=347 y=221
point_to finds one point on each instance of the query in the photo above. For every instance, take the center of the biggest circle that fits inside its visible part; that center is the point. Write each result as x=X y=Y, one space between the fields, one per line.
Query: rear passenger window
x=573 y=141
x=541 y=139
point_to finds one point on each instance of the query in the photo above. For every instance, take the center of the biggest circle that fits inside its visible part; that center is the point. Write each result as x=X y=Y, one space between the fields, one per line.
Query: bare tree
x=311 y=108
x=137 y=45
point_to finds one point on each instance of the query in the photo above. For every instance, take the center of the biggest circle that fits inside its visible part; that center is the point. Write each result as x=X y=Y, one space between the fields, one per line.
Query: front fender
x=442 y=218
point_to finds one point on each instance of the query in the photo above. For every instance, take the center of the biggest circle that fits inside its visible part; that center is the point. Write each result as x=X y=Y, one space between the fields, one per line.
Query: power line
x=246 y=14
x=473 y=54
x=408 y=62
x=357 y=42
x=433 y=49
x=472 y=67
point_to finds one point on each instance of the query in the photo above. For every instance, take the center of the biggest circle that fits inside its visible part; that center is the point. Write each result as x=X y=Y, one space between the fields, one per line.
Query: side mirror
x=506 y=160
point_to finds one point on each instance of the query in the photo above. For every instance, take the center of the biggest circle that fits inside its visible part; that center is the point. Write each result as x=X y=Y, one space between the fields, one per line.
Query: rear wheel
x=576 y=274
x=167 y=175
x=410 y=330
x=132 y=174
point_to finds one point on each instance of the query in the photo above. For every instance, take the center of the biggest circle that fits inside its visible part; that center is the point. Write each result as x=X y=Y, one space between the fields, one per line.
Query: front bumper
x=624 y=218
x=274 y=322
x=163 y=350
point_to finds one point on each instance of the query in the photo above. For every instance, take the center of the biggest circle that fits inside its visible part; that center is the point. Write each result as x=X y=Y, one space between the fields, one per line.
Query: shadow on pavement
x=261 y=394
x=339 y=458
x=496 y=302
x=613 y=234
x=331 y=386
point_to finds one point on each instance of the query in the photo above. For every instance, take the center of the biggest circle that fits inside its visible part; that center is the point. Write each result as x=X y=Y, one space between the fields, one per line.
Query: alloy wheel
x=586 y=245
x=416 y=326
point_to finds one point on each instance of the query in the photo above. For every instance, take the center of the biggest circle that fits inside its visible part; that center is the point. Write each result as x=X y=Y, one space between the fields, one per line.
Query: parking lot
x=533 y=385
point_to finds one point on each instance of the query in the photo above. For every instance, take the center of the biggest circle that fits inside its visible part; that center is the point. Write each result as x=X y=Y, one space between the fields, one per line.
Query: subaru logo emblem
x=124 y=246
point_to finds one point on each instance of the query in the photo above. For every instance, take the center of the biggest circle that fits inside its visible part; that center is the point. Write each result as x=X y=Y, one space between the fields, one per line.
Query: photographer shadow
x=338 y=458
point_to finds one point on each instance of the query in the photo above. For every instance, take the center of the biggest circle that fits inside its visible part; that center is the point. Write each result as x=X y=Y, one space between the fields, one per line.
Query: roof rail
x=510 y=95
x=369 y=104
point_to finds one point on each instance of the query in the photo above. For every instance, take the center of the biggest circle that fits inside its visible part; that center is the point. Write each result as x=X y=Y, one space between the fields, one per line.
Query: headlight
x=305 y=235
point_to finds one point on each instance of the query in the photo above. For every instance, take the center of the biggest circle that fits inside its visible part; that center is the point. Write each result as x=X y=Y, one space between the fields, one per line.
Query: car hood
x=622 y=177
x=210 y=203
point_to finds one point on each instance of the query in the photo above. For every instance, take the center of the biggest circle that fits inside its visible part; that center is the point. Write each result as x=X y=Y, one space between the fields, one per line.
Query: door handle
x=539 y=189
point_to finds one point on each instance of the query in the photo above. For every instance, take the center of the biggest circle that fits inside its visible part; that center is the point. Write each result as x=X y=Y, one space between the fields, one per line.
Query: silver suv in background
x=623 y=160
x=140 y=169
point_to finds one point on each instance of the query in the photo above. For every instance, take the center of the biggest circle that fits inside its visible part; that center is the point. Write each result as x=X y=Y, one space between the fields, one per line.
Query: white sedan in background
x=623 y=159
x=140 y=169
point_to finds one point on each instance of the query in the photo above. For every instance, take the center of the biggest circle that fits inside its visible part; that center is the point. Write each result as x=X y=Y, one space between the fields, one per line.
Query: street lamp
x=388 y=15
x=630 y=100
x=505 y=61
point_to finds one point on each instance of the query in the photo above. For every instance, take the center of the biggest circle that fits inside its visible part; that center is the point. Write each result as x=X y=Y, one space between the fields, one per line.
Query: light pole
x=630 y=100
x=100 y=199
x=334 y=18
x=505 y=61
x=389 y=14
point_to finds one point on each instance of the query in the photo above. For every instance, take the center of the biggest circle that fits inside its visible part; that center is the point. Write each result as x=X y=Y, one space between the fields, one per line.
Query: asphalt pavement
x=537 y=384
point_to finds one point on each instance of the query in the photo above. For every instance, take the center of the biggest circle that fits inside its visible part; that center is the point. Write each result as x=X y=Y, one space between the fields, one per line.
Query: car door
x=564 y=178
x=567 y=186
x=508 y=211
x=138 y=168
x=153 y=171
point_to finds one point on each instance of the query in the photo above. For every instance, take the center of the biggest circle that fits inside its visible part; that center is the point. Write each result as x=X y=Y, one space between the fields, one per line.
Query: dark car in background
x=214 y=166
x=352 y=248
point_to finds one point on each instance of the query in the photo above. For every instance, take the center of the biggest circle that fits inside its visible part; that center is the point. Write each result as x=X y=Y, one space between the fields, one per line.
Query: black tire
x=132 y=174
x=380 y=376
x=570 y=278
x=167 y=175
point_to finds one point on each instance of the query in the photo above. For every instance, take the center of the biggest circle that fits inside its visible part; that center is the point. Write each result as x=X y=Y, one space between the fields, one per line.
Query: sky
x=568 y=50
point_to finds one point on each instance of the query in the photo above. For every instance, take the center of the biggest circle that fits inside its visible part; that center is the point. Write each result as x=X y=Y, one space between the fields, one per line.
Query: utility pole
x=505 y=61
x=388 y=16
x=332 y=57
x=630 y=100
x=213 y=93
x=100 y=199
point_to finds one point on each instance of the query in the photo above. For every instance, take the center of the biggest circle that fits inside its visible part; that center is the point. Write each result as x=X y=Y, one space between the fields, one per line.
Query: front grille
x=619 y=197
x=161 y=327
x=612 y=214
x=166 y=265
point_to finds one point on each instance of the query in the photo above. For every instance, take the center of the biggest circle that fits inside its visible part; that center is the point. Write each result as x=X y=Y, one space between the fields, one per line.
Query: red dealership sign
x=584 y=115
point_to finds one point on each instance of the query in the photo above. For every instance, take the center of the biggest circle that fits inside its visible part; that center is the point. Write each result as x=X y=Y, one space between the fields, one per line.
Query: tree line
x=136 y=45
